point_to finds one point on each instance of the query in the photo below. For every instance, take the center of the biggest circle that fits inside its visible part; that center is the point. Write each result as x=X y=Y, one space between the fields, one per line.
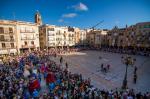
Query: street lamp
x=127 y=60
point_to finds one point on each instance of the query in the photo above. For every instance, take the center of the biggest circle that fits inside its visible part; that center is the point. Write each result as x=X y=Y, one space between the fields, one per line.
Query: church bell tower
x=38 y=19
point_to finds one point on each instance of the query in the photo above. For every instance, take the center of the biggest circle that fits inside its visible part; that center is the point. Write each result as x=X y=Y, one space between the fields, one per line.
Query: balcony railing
x=10 y=32
x=28 y=38
x=26 y=31
x=7 y=40
x=51 y=34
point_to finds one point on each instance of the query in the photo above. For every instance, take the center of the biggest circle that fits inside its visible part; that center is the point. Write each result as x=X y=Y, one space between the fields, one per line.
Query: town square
x=89 y=64
x=74 y=49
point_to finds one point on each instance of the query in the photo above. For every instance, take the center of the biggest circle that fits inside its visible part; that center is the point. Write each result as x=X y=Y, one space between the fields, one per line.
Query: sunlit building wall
x=96 y=37
x=134 y=36
x=27 y=36
x=82 y=38
x=55 y=36
x=7 y=37
x=18 y=36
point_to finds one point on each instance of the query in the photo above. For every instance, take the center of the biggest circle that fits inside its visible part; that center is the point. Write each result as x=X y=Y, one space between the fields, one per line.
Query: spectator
x=62 y=84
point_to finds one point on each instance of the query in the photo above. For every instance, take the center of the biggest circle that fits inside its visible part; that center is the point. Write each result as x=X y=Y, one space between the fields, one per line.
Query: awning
x=3 y=51
x=13 y=51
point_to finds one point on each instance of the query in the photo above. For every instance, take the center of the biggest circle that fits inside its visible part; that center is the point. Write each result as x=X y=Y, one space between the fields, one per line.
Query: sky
x=78 y=13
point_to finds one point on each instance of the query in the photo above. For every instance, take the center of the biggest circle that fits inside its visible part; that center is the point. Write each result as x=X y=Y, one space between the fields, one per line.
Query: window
x=1 y=30
x=50 y=29
x=25 y=43
x=32 y=42
x=12 y=45
x=10 y=30
x=3 y=45
x=11 y=37
x=2 y=38
x=58 y=33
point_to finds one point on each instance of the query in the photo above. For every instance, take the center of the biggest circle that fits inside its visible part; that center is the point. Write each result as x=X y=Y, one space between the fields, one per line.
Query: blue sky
x=79 y=13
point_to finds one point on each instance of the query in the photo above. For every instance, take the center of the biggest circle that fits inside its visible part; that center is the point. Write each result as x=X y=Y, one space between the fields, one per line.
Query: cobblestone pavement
x=88 y=64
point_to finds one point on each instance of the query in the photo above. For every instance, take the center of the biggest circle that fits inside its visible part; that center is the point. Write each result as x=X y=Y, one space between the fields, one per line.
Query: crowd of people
x=127 y=50
x=22 y=76
x=63 y=51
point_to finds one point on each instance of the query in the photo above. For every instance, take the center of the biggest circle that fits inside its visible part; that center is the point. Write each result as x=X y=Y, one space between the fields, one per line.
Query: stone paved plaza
x=88 y=64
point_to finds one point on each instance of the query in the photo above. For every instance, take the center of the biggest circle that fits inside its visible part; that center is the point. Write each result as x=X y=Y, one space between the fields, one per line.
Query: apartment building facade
x=82 y=38
x=142 y=33
x=7 y=37
x=28 y=36
x=134 y=36
x=54 y=36
x=96 y=38
x=18 y=36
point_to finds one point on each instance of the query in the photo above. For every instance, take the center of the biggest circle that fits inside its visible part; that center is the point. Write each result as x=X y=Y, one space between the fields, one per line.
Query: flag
x=50 y=78
x=34 y=85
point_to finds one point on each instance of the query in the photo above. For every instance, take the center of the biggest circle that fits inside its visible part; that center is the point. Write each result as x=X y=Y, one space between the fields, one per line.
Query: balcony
x=28 y=38
x=11 y=40
x=51 y=34
x=7 y=40
x=10 y=32
x=27 y=31
x=51 y=39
